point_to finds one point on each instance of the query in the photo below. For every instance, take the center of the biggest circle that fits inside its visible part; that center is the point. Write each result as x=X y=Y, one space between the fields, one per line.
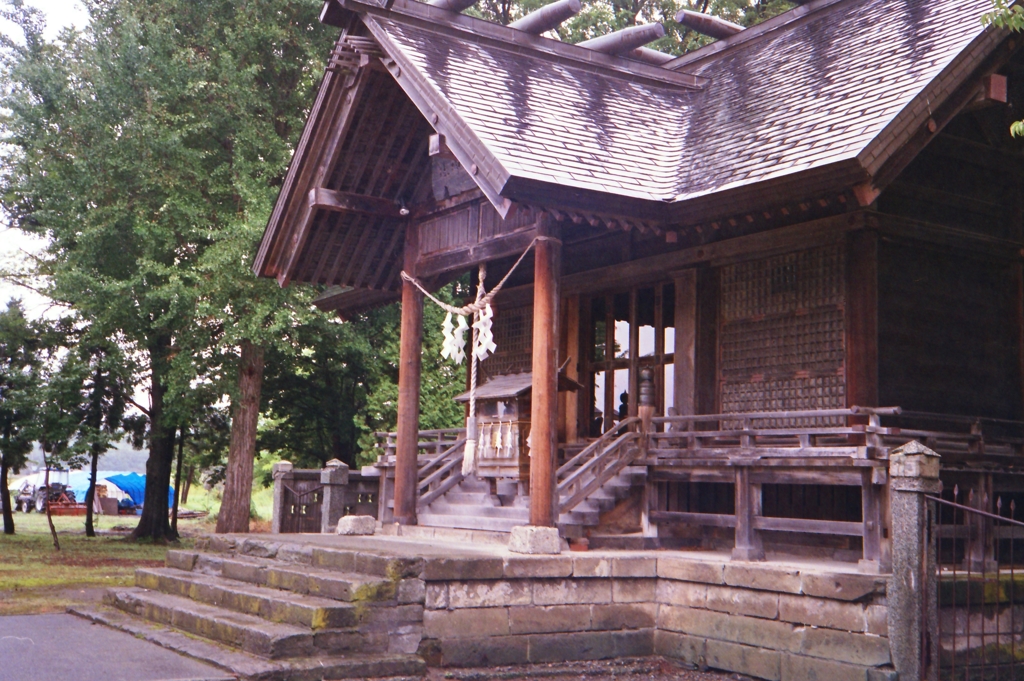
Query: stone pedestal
x=334 y=478
x=912 y=590
x=535 y=539
x=279 y=471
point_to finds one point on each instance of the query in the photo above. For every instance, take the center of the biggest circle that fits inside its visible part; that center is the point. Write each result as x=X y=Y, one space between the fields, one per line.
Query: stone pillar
x=279 y=471
x=334 y=478
x=912 y=592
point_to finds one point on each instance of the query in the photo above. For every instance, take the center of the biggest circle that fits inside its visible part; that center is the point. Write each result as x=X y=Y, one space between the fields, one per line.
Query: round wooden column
x=410 y=364
x=544 y=408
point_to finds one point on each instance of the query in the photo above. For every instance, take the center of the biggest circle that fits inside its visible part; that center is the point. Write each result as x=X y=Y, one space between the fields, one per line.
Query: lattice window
x=782 y=334
x=513 y=334
x=784 y=283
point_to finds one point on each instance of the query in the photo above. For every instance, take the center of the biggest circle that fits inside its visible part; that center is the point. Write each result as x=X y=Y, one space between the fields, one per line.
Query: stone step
x=270 y=604
x=249 y=633
x=443 y=507
x=252 y=668
x=298 y=578
x=473 y=498
x=487 y=523
x=298 y=555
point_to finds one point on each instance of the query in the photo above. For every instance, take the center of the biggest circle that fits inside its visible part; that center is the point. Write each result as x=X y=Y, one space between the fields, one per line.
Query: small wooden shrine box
x=503 y=424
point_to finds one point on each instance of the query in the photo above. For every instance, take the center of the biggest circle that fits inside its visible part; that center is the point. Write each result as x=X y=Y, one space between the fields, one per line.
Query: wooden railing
x=430 y=441
x=750 y=449
x=844 y=447
x=728 y=436
x=440 y=474
x=596 y=464
x=436 y=466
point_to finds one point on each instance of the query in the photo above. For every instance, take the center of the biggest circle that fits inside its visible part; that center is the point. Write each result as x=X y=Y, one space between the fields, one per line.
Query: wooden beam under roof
x=321 y=198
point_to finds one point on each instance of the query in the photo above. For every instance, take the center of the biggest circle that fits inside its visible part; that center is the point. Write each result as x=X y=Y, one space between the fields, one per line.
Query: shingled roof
x=822 y=98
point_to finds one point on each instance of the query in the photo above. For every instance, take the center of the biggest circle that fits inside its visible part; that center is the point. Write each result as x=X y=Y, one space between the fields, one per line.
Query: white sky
x=13 y=243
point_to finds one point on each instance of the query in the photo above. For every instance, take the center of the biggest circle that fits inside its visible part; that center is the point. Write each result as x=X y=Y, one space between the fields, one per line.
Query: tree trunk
x=177 y=479
x=234 y=509
x=154 y=523
x=5 y=496
x=188 y=484
x=49 y=516
x=90 y=495
x=95 y=421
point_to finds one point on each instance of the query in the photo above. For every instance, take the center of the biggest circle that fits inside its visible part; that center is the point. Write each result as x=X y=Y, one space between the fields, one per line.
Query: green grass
x=35 y=578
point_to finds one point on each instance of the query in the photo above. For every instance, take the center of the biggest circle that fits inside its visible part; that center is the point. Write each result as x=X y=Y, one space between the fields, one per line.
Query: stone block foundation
x=782 y=623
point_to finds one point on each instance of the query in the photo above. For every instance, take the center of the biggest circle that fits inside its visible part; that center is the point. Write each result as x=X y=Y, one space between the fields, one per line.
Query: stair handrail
x=426 y=468
x=594 y=446
x=617 y=455
x=453 y=467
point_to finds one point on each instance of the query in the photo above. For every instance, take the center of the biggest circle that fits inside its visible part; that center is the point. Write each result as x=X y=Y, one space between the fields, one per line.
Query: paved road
x=68 y=648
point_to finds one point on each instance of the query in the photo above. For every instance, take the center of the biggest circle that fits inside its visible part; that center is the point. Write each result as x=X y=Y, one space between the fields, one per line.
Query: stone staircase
x=270 y=611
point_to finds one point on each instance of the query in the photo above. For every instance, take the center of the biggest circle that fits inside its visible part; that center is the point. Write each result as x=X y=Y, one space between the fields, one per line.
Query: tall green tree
x=19 y=385
x=139 y=148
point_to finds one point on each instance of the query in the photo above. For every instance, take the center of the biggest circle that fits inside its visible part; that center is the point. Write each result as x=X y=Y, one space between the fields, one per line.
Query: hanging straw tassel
x=469 y=458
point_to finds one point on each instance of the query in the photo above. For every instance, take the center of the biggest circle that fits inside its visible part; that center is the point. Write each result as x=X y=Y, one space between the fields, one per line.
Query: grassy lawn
x=34 y=578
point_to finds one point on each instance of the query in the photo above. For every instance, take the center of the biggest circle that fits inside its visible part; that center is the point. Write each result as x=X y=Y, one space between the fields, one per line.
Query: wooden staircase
x=590 y=483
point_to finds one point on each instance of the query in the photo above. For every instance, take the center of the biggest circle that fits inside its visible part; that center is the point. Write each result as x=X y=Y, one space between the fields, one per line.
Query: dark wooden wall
x=949 y=302
x=948 y=339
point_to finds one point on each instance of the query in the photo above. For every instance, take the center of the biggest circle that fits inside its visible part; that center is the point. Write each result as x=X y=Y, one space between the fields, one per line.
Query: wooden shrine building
x=798 y=247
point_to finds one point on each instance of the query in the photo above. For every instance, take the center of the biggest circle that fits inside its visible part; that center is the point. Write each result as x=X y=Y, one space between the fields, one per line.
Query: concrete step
x=298 y=578
x=270 y=604
x=249 y=633
x=248 y=667
x=465 y=522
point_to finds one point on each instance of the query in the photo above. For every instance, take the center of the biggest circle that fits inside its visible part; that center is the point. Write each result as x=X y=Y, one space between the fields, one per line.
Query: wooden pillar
x=544 y=407
x=861 y=362
x=685 y=362
x=571 y=348
x=1018 y=321
x=862 y=320
x=409 y=366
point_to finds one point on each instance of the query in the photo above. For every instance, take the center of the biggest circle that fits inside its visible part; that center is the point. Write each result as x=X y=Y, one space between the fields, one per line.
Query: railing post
x=912 y=594
x=871 y=516
x=748 y=544
x=334 y=478
x=280 y=471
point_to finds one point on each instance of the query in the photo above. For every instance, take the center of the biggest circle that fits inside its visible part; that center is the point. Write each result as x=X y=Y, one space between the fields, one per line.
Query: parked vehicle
x=36 y=498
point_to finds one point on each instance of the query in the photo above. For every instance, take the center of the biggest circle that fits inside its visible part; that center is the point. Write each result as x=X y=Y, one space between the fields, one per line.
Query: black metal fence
x=979 y=559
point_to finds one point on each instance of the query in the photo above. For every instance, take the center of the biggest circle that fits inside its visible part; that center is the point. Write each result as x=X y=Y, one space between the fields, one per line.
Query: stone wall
x=770 y=622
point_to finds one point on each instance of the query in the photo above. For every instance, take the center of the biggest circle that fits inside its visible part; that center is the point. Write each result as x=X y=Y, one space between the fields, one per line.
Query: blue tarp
x=78 y=481
x=134 y=485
